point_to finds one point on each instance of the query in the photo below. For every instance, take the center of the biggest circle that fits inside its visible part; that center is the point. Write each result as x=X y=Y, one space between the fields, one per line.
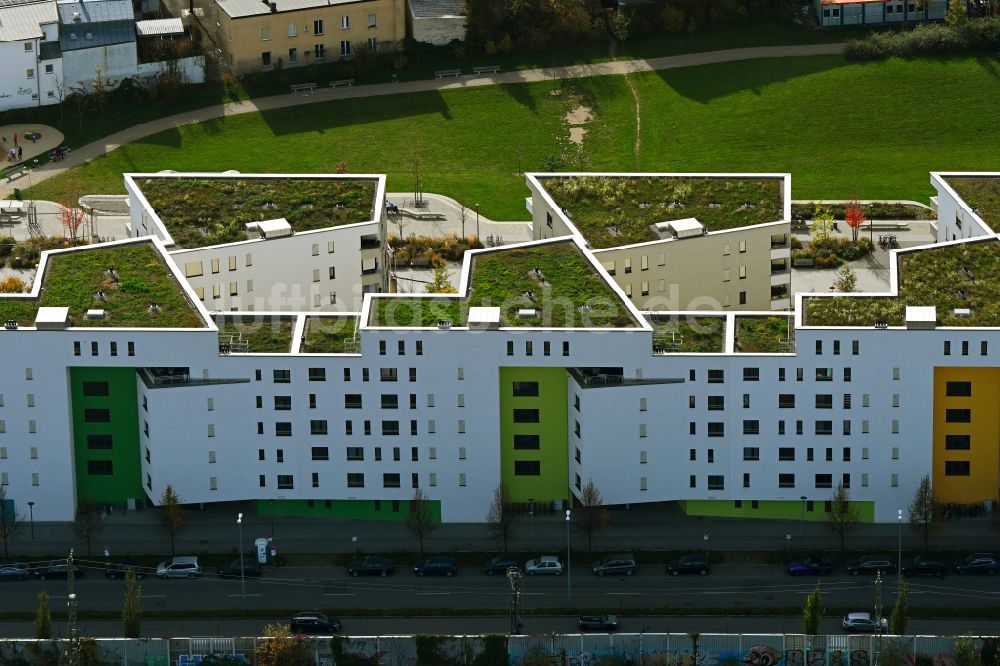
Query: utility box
x=261 y=546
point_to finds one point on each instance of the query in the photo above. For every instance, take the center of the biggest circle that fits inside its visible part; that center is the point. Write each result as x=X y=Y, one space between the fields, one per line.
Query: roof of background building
x=88 y=24
x=20 y=21
x=436 y=8
x=169 y=26
x=94 y=11
x=245 y=8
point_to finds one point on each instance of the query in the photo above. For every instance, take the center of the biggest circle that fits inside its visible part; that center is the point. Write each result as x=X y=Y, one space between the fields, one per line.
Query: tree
x=43 y=618
x=463 y=216
x=965 y=653
x=822 y=223
x=172 y=515
x=132 y=606
x=846 y=279
x=500 y=518
x=280 y=648
x=87 y=523
x=620 y=25
x=441 y=284
x=11 y=522
x=958 y=13
x=420 y=518
x=854 y=217
x=590 y=516
x=897 y=620
x=925 y=511
x=71 y=219
x=812 y=612
x=843 y=517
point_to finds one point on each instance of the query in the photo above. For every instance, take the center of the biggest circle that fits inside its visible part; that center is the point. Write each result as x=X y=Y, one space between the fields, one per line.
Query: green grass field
x=870 y=130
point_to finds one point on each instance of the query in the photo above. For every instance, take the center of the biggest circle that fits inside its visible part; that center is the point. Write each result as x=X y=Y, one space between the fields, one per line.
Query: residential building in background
x=29 y=50
x=875 y=12
x=437 y=22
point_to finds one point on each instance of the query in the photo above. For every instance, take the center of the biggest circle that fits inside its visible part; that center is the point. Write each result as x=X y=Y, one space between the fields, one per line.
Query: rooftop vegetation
x=81 y=281
x=690 y=335
x=764 y=335
x=962 y=276
x=565 y=291
x=208 y=211
x=611 y=211
x=982 y=195
x=262 y=334
x=330 y=335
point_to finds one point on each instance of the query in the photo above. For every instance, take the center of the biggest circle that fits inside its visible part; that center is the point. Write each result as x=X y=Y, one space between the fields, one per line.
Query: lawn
x=830 y=123
x=691 y=335
x=764 y=335
x=330 y=335
x=263 y=334
x=982 y=194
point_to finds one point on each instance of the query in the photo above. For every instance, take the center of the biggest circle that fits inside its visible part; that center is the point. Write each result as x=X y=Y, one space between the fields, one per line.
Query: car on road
x=118 y=569
x=232 y=569
x=313 y=622
x=622 y=563
x=922 y=565
x=546 y=564
x=689 y=564
x=14 y=572
x=862 y=623
x=371 y=566
x=436 y=566
x=977 y=563
x=811 y=566
x=500 y=564
x=598 y=623
x=871 y=564
x=58 y=570
x=182 y=566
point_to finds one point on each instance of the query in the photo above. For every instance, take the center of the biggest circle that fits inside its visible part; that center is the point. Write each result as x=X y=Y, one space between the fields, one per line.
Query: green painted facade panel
x=125 y=480
x=354 y=509
x=776 y=509
x=552 y=455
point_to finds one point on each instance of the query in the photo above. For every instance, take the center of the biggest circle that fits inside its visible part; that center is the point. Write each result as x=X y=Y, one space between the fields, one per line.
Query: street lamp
x=243 y=578
x=802 y=520
x=568 y=584
x=31 y=517
x=899 y=545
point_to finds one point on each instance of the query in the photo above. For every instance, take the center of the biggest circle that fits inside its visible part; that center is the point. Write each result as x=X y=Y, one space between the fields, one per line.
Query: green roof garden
x=550 y=285
x=255 y=334
x=611 y=211
x=982 y=194
x=688 y=335
x=199 y=212
x=140 y=292
x=962 y=276
x=330 y=335
x=765 y=335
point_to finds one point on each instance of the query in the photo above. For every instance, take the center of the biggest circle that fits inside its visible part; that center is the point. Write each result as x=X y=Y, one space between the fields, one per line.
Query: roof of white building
x=91 y=23
x=436 y=8
x=22 y=21
x=169 y=26
x=244 y=8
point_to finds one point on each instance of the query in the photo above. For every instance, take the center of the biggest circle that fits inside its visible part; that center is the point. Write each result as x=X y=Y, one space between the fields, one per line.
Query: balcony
x=780 y=278
x=588 y=378
x=369 y=267
x=780 y=252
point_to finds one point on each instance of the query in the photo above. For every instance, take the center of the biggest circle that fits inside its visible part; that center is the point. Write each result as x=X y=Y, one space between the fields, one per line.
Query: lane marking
x=240 y=595
x=434 y=593
x=622 y=594
x=339 y=594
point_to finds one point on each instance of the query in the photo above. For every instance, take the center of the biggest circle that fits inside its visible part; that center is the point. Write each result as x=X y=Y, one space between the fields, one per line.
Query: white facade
x=874 y=12
x=114 y=61
x=25 y=79
x=956 y=219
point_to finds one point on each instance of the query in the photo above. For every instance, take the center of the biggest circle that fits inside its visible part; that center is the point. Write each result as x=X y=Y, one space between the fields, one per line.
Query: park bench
x=445 y=73
x=886 y=226
x=423 y=215
x=16 y=172
x=420 y=262
x=303 y=88
x=342 y=83
x=486 y=69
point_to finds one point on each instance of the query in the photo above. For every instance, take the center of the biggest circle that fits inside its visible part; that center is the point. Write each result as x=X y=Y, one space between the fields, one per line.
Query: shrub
x=928 y=39
x=11 y=285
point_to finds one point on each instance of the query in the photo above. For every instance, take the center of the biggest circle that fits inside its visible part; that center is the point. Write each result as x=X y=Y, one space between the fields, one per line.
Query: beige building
x=261 y=35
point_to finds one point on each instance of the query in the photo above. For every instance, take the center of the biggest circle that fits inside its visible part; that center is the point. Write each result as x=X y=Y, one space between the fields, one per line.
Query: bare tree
x=87 y=523
x=463 y=215
x=500 y=518
x=590 y=516
x=843 y=517
x=925 y=511
x=420 y=518
x=11 y=522
x=172 y=515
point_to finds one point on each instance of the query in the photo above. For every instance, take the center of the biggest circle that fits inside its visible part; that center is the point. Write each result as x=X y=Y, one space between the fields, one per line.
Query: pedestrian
x=15 y=138
x=20 y=152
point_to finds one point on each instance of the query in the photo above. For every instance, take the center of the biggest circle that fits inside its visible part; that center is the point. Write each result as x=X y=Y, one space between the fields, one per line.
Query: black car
x=371 y=566
x=623 y=563
x=871 y=564
x=689 y=564
x=118 y=569
x=58 y=570
x=13 y=572
x=436 y=566
x=598 y=623
x=921 y=565
x=250 y=569
x=811 y=566
x=500 y=564
x=977 y=563
x=313 y=622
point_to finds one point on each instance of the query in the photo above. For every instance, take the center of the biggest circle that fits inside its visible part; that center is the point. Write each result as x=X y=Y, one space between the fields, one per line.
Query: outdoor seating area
x=887 y=242
x=447 y=73
x=303 y=88
x=486 y=69
x=342 y=83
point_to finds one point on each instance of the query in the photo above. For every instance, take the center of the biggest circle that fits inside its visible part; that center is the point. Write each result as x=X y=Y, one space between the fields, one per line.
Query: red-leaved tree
x=855 y=218
x=71 y=218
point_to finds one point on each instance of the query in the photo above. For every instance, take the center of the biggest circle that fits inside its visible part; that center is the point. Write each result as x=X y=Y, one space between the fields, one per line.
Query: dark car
x=871 y=564
x=436 y=566
x=118 y=569
x=13 y=572
x=689 y=564
x=977 y=563
x=58 y=570
x=371 y=566
x=250 y=569
x=313 y=622
x=500 y=564
x=811 y=566
x=921 y=565
x=598 y=623
x=622 y=563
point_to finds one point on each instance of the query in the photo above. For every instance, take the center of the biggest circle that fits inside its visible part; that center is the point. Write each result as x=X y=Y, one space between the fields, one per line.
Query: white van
x=183 y=566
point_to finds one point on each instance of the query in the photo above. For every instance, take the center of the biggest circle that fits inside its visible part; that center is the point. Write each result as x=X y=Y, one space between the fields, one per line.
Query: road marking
x=241 y=595
x=531 y=594
x=338 y=594
x=433 y=593
x=622 y=594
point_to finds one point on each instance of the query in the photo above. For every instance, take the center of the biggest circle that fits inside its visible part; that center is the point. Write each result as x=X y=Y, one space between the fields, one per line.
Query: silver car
x=179 y=567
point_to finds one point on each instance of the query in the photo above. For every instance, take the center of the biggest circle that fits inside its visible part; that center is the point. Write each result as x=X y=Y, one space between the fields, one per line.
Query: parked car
x=977 y=563
x=232 y=569
x=689 y=564
x=811 y=566
x=871 y=564
x=862 y=623
x=546 y=564
x=622 y=563
x=118 y=569
x=58 y=570
x=14 y=572
x=313 y=622
x=922 y=565
x=182 y=566
x=500 y=564
x=371 y=566
x=598 y=623
x=436 y=566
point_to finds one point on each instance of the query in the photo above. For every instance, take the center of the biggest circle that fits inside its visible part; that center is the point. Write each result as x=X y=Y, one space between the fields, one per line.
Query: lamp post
x=899 y=546
x=31 y=518
x=802 y=519
x=243 y=578
x=568 y=574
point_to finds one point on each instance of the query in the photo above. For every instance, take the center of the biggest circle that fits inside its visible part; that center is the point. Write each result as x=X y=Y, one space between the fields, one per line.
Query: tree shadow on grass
x=521 y=93
x=990 y=65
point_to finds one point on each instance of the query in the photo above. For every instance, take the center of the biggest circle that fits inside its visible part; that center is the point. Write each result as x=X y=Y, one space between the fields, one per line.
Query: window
x=279 y=455
x=352 y=401
x=956 y=468
x=786 y=400
x=282 y=376
x=716 y=376
x=836 y=347
x=345 y=48
x=390 y=427
x=104 y=467
x=526 y=442
x=527 y=468
x=895 y=453
x=265 y=33
x=283 y=429
x=751 y=374
x=345 y=22
x=320 y=50
x=260 y=454
x=847 y=401
x=786 y=454
x=285 y=482
x=354 y=453
x=895 y=480
x=847 y=374
x=265 y=62
x=693 y=481
x=824 y=481
x=716 y=429
x=387 y=374
x=525 y=389
x=49 y=69
x=315 y=479
x=321 y=453
x=798 y=427
x=371 y=20
x=824 y=401
x=947 y=347
x=751 y=453
x=824 y=427
x=282 y=402
x=312 y=401
x=565 y=348
x=819 y=347
x=317 y=374
x=809 y=454
x=92 y=389
x=983 y=348
x=957 y=442
x=965 y=347
x=381 y=347
x=76 y=348
x=97 y=415
x=824 y=374
x=317 y=427
x=318 y=27
x=390 y=480
x=692 y=428
x=98 y=442
x=716 y=402
x=751 y=427
x=847 y=427
x=786 y=480
x=93 y=349
x=390 y=401
x=958 y=389
x=413 y=374
x=525 y=416
x=958 y=415
x=716 y=482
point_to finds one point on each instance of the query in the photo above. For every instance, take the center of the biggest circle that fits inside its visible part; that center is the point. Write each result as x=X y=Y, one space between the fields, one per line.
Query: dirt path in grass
x=638 y=119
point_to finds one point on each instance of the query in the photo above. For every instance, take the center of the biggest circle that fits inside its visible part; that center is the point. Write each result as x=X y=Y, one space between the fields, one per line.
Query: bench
x=303 y=88
x=343 y=83
x=423 y=215
x=486 y=69
x=16 y=172
x=420 y=262
x=445 y=73
x=886 y=226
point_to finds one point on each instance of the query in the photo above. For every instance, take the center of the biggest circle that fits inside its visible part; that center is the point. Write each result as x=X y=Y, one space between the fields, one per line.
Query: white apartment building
x=29 y=50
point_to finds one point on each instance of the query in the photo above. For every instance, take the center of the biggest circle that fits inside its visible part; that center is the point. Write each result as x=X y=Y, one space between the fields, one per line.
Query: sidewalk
x=83 y=154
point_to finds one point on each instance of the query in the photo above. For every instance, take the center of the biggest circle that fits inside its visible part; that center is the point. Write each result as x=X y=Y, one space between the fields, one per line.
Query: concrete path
x=88 y=152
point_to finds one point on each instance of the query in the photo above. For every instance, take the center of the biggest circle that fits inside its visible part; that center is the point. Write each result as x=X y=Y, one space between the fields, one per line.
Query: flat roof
x=168 y=26
x=20 y=21
x=245 y=8
x=981 y=193
x=436 y=8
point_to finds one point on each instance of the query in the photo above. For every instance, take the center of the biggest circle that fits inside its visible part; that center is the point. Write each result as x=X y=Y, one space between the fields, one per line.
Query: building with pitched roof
x=97 y=38
x=31 y=74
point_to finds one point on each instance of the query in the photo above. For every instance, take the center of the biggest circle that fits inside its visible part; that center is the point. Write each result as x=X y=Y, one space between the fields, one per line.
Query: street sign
x=788 y=536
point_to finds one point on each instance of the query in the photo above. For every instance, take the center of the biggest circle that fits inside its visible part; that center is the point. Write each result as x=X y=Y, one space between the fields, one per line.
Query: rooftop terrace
x=611 y=211
x=255 y=334
x=547 y=285
x=688 y=335
x=80 y=280
x=198 y=212
x=765 y=335
x=958 y=276
x=982 y=194
x=330 y=335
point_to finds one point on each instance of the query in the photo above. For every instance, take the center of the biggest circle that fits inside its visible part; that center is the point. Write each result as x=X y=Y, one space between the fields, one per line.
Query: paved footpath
x=111 y=142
